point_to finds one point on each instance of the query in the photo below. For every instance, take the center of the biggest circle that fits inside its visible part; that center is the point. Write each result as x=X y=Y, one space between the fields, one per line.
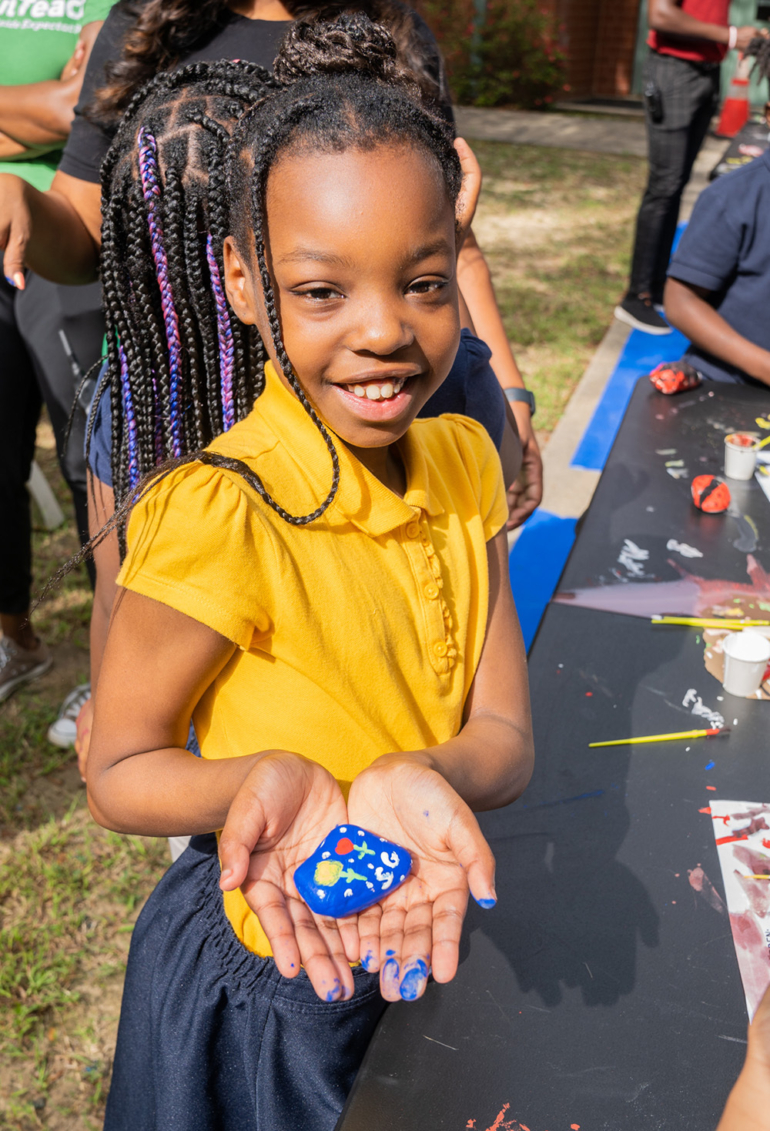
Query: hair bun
x=349 y=43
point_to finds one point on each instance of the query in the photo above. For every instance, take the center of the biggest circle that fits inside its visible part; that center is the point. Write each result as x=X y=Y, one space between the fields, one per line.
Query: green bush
x=511 y=58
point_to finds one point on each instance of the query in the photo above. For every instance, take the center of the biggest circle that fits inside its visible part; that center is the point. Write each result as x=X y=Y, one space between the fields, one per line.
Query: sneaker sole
x=8 y=689
x=59 y=740
x=623 y=316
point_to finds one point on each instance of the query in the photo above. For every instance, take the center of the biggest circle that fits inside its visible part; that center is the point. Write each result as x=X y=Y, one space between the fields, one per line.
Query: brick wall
x=598 y=38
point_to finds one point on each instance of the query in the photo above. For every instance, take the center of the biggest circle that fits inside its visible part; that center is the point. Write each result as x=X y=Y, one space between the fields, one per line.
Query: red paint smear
x=712 y=787
x=766 y=843
x=344 y=846
x=589 y=694
x=706 y=810
x=574 y=1127
x=470 y=1125
x=729 y=839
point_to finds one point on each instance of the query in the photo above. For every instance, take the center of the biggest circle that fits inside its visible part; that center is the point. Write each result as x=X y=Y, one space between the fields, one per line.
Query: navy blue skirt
x=212 y=1037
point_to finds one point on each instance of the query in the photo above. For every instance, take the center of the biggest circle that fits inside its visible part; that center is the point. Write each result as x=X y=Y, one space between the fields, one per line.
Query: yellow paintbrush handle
x=652 y=738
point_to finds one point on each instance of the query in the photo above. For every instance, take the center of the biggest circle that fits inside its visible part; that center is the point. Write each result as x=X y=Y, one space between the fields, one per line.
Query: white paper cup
x=740 y=455
x=746 y=657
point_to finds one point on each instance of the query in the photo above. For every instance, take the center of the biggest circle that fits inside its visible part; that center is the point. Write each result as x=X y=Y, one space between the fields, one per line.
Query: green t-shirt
x=37 y=37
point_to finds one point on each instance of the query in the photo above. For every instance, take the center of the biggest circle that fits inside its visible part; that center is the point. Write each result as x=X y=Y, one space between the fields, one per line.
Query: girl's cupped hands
x=281 y=813
x=417 y=928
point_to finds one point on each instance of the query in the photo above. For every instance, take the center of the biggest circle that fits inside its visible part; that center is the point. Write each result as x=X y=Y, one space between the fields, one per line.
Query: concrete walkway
x=568 y=490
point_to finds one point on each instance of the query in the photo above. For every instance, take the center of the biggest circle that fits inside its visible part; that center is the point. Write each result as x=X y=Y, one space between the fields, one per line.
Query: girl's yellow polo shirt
x=358 y=634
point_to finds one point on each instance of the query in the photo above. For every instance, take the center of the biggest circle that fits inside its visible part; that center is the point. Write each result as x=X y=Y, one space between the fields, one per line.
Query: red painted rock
x=674 y=377
x=710 y=494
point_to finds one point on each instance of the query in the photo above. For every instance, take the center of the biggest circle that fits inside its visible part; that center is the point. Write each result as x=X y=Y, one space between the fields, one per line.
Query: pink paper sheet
x=742 y=832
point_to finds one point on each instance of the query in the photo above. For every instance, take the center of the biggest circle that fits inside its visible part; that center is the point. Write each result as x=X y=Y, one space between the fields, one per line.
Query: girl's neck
x=385 y=464
x=260 y=9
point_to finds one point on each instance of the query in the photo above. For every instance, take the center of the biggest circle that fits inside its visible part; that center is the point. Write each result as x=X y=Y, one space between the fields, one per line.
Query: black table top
x=602 y=991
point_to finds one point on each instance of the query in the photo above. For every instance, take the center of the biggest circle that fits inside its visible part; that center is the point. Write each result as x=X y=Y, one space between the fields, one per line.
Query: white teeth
x=386 y=392
x=359 y=390
x=373 y=392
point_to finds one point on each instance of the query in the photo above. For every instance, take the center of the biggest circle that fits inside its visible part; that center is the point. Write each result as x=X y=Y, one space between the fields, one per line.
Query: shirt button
x=440 y=649
x=431 y=591
x=413 y=530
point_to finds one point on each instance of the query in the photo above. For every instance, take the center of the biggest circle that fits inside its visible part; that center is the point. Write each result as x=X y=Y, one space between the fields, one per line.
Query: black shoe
x=641 y=314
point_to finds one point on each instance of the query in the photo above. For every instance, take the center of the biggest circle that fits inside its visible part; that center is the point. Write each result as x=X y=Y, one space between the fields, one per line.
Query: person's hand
x=745 y=36
x=15 y=225
x=280 y=815
x=83 y=725
x=418 y=926
x=79 y=59
x=526 y=494
x=465 y=208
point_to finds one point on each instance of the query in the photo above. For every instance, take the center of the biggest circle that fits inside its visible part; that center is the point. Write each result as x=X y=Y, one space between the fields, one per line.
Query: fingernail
x=414 y=980
x=390 y=972
x=18 y=280
x=490 y=901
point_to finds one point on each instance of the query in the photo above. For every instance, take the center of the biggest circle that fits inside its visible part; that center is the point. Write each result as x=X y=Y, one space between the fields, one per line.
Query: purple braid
x=158 y=418
x=225 y=335
x=128 y=409
x=148 y=171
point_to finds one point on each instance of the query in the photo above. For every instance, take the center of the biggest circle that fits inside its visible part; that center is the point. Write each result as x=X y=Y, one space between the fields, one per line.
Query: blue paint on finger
x=332 y=995
x=368 y=960
x=414 y=980
x=486 y=903
x=390 y=972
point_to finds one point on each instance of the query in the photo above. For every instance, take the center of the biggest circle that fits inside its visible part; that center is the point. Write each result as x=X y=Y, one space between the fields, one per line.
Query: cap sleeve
x=482 y=463
x=198 y=544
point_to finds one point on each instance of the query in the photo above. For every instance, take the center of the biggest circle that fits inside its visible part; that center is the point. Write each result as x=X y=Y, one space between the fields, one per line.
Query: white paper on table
x=742 y=833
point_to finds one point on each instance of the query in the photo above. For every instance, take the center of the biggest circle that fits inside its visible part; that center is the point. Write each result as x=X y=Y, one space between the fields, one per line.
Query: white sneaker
x=64 y=731
x=20 y=665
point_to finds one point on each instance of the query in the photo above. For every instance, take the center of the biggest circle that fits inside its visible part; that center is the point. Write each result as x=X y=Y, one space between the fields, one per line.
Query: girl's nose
x=381 y=329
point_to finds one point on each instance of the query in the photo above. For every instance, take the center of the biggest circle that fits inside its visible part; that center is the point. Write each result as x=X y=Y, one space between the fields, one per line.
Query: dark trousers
x=211 y=1037
x=34 y=366
x=689 y=94
x=20 y=403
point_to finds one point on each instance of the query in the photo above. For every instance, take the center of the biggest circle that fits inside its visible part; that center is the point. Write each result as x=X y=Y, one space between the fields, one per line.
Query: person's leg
x=22 y=655
x=63 y=329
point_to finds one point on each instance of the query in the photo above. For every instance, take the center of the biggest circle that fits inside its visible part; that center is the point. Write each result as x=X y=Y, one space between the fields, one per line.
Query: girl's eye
x=319 y=294
x=426 y=286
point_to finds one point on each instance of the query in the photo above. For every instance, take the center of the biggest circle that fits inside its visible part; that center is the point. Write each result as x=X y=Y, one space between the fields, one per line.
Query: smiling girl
x=325 y=591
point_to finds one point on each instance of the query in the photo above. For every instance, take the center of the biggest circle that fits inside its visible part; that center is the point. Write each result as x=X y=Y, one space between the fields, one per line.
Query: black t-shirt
x=253 y=41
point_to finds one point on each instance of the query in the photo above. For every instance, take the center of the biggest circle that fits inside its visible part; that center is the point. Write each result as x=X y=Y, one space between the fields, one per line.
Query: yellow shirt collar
x=361 y=498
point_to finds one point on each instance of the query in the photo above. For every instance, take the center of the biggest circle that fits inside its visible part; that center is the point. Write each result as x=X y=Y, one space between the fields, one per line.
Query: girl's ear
x=469 y=190
x=238 y=283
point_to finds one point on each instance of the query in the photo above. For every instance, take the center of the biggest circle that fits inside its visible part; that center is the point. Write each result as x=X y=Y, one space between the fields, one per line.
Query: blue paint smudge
x=710 y=766
x=486 y=903
x=367 y=960
x=332 y=995
x=426 y=813
x=389 y=953
x=414 y=980
x=390 y=973
x=567 y=800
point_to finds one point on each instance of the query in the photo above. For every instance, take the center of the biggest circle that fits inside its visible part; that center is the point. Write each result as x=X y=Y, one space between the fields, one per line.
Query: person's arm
x=424 y=800
x=667 y=16
x=688 y=310
x=39 y=114
x=57 y=234
x=510 y=453
x=748 y=1106
x=476 y=283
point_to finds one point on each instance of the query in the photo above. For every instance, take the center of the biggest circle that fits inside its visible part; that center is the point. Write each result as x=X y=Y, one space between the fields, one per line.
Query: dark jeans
x=689 y=94
x=20 y=403
x=211 y=1037
x=43 y=312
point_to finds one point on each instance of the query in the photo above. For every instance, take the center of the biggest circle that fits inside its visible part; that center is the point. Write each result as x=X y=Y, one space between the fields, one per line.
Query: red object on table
x=710 y=494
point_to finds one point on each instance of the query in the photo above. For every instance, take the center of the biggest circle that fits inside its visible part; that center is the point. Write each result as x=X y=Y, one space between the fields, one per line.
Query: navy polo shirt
x=726 y=249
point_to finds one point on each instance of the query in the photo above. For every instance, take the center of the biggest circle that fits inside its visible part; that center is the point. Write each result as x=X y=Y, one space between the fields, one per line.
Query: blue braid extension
x=158 y=418
x=149 y=174
x=128 y=410
x=225 y=335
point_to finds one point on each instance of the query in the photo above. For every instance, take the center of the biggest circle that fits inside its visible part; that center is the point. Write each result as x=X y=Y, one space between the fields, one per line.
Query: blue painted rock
x=350 y=870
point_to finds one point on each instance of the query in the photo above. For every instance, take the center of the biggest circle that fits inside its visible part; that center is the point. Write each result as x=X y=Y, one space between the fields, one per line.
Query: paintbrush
x=713 y=732
x=754 y=876
x=710 y=622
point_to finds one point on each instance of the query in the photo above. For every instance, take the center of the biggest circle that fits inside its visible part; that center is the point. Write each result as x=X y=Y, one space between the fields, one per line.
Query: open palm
x=282 y=812
x=418 y=926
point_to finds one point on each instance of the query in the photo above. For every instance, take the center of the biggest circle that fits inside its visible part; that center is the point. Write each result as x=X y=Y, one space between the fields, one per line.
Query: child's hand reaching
x=280 y=815
x=419 y=925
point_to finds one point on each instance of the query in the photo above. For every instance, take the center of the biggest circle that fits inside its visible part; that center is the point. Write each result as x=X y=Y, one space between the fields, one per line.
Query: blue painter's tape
x=641 y=353
x=536 y=563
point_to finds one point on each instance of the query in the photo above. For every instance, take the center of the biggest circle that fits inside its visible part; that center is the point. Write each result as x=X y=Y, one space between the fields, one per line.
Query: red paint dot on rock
x=574 y=1127
x=589 y=694
x=712 y=787
x=344 y=846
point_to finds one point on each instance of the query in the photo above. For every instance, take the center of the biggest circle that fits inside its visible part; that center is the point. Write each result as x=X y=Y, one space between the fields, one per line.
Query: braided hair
x=338 y=86
x=759 y=48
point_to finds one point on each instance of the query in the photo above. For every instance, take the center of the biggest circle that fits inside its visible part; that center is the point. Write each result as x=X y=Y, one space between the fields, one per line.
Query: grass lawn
x=557 y=227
